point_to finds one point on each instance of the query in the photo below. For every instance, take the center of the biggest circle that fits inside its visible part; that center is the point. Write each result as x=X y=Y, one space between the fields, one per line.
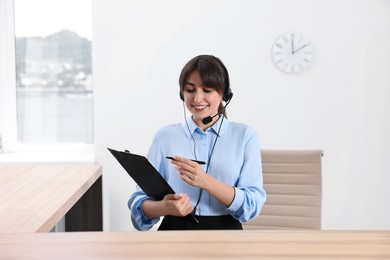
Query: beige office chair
x=292 y=180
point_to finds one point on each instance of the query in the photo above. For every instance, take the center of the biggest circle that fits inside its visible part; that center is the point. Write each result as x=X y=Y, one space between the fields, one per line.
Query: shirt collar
x=192 y=127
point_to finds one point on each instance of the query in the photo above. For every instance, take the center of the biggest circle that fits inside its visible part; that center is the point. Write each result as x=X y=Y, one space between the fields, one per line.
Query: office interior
x=339 y=104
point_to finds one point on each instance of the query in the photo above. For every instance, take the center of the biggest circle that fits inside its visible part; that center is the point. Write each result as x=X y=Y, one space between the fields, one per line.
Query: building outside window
x=53 y=72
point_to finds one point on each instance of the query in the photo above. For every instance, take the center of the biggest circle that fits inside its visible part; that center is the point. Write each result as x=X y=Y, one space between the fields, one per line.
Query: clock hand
x=292 y=46
x=300 y=48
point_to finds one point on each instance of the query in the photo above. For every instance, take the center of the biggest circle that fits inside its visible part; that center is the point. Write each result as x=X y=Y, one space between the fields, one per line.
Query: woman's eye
x=189 y=90
x=206 y=90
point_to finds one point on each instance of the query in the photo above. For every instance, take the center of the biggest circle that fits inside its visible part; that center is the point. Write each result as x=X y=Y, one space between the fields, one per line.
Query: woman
x=214 y=166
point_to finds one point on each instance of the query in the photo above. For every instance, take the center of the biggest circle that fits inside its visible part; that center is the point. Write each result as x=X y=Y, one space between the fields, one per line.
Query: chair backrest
x=292 y=180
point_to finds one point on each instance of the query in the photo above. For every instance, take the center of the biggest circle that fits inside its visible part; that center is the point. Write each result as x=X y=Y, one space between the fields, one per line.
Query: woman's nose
x=198 y=96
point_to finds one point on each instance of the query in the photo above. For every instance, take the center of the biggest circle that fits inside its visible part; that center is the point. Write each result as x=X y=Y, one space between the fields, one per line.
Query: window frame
x=8 y=97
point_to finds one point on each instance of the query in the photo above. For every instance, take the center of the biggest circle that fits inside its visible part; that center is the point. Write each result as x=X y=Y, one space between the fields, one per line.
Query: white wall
x=340 y=104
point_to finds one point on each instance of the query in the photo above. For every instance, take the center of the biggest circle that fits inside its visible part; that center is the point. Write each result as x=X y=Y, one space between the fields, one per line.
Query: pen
x=200 y=162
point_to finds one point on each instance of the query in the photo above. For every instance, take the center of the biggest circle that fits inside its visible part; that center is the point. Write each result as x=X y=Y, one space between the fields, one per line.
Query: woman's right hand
x=171 y=205
x=177 y=204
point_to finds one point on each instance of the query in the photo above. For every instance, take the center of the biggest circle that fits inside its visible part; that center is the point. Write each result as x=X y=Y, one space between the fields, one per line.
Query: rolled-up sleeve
x=138 y=218
x=250 y=194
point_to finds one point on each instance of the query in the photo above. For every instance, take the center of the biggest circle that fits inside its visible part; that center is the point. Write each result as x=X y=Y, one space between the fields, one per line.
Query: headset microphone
x=208 y=119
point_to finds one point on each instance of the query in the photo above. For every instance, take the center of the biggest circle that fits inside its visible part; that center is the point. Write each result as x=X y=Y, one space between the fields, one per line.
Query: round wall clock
x=292 y=52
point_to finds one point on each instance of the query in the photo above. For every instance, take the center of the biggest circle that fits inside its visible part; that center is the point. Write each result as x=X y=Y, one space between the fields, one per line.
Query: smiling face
x=202 y=101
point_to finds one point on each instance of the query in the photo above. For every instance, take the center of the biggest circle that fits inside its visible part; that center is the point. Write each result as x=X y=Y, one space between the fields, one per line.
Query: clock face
x=292 y=53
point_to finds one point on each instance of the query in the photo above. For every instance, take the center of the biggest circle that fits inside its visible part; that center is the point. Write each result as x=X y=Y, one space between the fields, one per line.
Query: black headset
x=227 y=92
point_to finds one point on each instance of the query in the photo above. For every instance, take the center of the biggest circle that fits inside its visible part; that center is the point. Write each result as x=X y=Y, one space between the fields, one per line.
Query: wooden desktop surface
x=35 y=198
x=249 y=244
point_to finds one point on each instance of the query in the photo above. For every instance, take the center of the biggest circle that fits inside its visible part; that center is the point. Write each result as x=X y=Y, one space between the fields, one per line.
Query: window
x=49 y=75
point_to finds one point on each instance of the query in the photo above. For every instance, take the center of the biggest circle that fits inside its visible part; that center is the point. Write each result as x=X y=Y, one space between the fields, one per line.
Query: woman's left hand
x=190 y=172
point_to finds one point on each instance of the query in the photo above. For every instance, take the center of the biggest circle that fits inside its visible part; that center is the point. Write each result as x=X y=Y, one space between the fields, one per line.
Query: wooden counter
x=35 y=198
x=249 y=244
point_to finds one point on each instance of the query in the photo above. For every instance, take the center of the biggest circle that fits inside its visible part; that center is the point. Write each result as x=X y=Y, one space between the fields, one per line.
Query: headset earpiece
x=227 y=94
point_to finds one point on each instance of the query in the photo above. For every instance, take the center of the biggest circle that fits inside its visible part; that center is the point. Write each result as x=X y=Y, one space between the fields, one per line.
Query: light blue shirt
x=236 y=161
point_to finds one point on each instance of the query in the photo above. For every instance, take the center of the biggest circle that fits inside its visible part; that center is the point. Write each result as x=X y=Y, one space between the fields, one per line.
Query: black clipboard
x=143 y=173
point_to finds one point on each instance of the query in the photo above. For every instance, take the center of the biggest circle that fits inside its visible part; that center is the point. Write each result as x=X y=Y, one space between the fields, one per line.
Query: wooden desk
x=35 y=198
x=249 y=244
